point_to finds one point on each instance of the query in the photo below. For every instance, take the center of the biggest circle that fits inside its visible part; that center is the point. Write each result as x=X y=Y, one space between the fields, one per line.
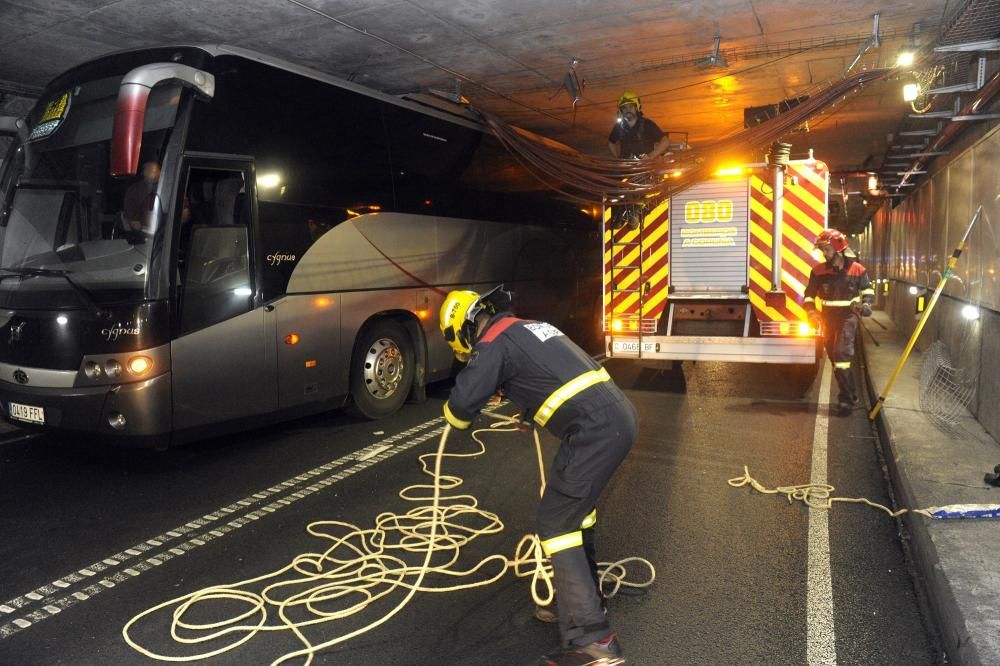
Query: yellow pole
x=923 y=318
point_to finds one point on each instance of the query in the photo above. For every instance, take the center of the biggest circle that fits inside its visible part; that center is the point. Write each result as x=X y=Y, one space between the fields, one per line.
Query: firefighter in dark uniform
x=561 y=388
x=634 y=136
x=841 y=288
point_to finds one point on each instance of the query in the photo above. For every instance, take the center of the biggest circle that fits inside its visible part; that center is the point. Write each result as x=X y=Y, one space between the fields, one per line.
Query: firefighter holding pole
x=562 y=389
x=841 y=289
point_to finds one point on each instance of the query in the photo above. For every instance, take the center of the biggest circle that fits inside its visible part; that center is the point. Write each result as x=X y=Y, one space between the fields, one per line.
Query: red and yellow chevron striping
x=803 y=218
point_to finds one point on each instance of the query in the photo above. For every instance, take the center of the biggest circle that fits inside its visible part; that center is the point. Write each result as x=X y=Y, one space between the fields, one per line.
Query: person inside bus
x=140 y=199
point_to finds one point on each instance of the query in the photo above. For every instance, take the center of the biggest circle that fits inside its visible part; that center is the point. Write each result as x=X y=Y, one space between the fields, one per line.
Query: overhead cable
x=590 y=179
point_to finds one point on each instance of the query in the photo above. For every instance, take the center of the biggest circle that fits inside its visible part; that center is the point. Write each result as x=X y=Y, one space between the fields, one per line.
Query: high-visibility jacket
x=838 y=288
x=539 y=369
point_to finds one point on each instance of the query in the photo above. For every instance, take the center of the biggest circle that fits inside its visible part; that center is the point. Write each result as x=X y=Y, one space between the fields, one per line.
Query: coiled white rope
x=359 y=567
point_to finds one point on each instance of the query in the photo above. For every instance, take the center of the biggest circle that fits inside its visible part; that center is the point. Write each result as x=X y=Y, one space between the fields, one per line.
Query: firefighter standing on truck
x=560 y=388
x=841 y=287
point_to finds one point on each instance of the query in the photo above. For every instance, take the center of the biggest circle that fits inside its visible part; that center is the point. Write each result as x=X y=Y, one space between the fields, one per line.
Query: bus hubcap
x=383 y=368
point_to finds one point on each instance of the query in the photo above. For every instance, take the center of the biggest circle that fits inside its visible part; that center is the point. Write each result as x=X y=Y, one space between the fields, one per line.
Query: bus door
x=223 y=349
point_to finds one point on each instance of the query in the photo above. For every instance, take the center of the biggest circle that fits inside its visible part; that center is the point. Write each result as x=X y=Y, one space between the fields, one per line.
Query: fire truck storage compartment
x=708 y=238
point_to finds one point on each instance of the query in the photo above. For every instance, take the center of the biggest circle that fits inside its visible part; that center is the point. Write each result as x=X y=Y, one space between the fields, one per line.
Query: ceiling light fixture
x=873 y=40
x=715 y=59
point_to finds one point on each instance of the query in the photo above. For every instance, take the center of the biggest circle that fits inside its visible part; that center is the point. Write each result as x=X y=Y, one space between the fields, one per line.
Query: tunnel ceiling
x=513 y=57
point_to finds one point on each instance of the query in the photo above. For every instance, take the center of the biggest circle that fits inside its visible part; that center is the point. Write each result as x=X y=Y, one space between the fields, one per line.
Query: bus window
x=213 y=255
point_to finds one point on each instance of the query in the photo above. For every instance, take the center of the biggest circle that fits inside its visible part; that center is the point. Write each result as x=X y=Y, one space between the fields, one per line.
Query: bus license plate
x=633 y=346
x=28 y=413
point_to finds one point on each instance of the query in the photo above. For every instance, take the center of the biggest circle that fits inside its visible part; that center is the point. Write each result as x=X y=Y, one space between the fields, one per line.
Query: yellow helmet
x=629 y=98
x=458 y=318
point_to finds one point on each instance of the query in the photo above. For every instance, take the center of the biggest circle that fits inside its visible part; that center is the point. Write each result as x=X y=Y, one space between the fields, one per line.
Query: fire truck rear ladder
x=629 y=322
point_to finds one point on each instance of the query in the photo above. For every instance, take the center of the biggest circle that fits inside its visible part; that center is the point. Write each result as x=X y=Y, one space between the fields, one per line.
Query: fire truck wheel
x=382 y=369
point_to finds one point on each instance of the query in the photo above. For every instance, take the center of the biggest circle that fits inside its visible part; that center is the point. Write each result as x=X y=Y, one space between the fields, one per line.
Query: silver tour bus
x=195 y=240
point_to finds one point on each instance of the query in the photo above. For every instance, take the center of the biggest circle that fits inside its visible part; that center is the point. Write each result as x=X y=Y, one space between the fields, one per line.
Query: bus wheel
x=381 y=370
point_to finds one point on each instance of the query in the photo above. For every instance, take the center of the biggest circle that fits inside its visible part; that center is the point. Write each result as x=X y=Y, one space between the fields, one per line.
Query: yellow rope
x=814 y=495
x=360 y=567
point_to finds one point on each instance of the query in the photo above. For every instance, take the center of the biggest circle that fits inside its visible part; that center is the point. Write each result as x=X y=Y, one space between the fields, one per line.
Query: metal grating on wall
x=976 y=21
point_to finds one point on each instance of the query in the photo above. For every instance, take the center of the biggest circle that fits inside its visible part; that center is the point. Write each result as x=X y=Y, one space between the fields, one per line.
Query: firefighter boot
x=581 y=620
x=618 y=215
x=604 y=652
x=634 y=216
x=847 y=398
x=549 y=615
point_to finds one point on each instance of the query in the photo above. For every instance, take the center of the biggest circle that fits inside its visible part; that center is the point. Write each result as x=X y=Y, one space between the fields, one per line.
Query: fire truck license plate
x=28 y=413
x=632 y=346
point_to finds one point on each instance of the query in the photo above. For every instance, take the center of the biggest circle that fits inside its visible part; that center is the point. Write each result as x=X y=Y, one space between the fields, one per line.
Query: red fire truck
x=716 y=271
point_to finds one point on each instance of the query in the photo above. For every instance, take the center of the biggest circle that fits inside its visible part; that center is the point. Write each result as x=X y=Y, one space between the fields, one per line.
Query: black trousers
x=591 y=450
x=840 y=329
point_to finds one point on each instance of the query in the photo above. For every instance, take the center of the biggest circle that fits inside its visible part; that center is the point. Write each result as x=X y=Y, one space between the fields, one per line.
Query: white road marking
x=106 y=568
x=374 y=452
x=19 y=438
x=821 y=646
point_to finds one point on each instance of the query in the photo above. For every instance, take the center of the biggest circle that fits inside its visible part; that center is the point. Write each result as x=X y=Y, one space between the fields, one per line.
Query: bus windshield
x=71 y=236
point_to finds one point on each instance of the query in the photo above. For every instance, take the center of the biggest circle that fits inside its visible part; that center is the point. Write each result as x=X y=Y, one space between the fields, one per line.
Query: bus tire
x=382 y=369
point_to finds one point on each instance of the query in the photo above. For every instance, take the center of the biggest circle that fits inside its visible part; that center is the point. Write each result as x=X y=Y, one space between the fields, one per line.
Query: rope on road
x=813 y=495
x=360 y=566
x=819 y=496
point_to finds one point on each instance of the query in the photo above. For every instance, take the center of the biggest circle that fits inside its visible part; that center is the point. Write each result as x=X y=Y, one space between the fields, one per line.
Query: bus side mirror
x=130 y=114
x=13 y=126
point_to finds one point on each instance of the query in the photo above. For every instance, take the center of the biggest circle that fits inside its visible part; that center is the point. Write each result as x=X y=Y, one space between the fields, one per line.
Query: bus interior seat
x=200 y=196
x=226 y=193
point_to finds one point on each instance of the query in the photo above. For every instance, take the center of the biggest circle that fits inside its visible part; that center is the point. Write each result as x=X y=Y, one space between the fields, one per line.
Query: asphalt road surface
x=91 y=537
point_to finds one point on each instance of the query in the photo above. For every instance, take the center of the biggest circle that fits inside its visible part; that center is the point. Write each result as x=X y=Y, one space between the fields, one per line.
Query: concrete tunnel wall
x=909 y=245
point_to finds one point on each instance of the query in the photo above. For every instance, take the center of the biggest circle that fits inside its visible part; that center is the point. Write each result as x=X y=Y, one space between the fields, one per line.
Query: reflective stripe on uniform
x=567 y=391
x=453 y=420
x=836 y=304
x=842 y=365
x=589 y=520
x=562 y=542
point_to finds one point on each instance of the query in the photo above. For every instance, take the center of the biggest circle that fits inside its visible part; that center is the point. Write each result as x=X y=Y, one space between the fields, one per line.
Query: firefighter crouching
x=841 y=287
x=560 y=388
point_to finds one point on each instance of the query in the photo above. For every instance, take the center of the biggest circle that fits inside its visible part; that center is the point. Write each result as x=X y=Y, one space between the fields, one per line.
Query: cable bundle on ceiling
x=592 y=179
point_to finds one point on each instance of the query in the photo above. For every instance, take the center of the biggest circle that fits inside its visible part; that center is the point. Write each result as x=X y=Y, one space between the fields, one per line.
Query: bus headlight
x=116 y=420
x=92 y=370
x=112 y=368
x=140 y=365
